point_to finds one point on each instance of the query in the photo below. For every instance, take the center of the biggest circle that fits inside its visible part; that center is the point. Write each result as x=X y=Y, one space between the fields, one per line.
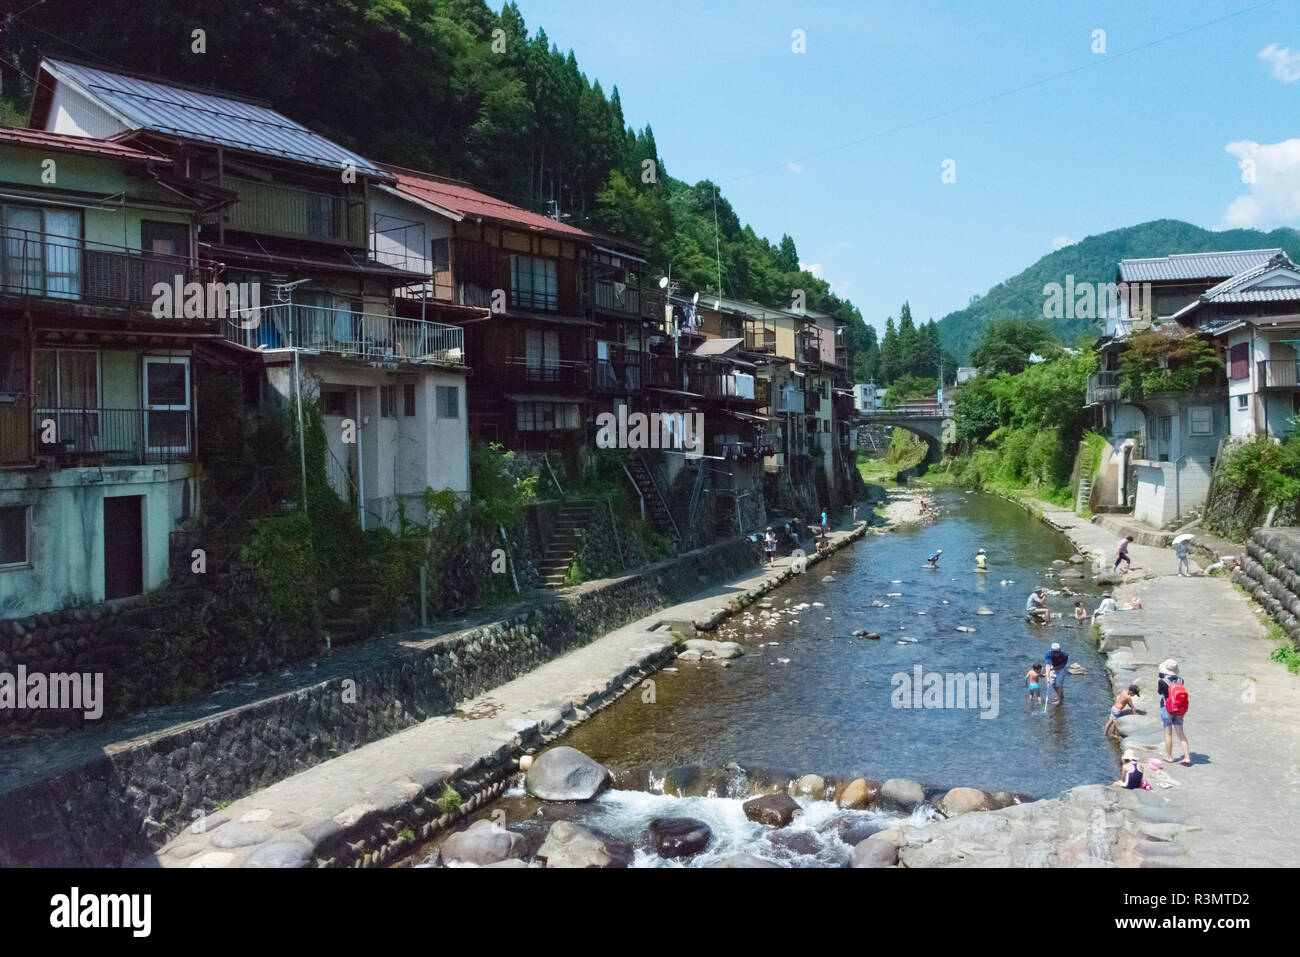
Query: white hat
x=1056 y=646
x=1169 y=666
x=981 y=551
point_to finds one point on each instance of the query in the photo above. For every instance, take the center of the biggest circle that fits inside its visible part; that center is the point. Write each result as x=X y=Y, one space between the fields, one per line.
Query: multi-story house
x=291 y=221
x=1162 y=441
x=97 y=395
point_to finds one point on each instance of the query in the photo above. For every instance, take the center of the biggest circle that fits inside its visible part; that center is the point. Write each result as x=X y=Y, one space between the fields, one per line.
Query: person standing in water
x=981 y=561
x=934 y=559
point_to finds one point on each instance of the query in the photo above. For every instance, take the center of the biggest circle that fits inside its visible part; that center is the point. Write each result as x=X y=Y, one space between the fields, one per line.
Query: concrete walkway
x=1238 y=805
x=296 y=821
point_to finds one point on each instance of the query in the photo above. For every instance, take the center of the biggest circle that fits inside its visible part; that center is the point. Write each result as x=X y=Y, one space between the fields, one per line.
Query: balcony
x=791 y=400
x=278 y=210
x=1277 y=374
x=616 y=297
x=721 y=385
x=760 y=340
x=63 y=271
x=1102 y=387
x=812 y=403
x=345 y=332
x=532 y=372
x=613 y=376
x=96 y=437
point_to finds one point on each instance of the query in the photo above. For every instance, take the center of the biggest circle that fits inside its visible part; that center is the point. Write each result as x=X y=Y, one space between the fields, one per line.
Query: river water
x=808 y=697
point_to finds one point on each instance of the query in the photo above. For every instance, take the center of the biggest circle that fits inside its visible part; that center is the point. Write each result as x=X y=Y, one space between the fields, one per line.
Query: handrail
x=695 y=496
x=636 y=489
x=663 y=499
x=346 y=331
x=547 y=459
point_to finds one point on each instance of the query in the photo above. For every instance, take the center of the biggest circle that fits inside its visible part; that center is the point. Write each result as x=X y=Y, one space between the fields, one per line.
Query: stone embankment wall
x=131 y=800
x=1270 y=571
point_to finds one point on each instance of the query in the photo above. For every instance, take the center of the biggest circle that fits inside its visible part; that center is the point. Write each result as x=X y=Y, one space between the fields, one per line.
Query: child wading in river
x=1034 y=679
x=1080 y=613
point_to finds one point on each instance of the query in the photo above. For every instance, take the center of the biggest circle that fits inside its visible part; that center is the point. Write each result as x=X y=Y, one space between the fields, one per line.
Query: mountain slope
x=1094 y=259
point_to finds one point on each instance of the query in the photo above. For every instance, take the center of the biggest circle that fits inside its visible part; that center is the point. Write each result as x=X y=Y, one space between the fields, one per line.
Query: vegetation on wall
x=1251 y=479
x=1166 y=360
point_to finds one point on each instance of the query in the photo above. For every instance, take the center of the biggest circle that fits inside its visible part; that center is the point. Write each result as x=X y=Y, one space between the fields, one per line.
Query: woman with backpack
x=1173 y=706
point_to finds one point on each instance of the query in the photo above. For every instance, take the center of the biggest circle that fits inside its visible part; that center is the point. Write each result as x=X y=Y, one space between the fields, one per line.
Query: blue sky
x=795 y=140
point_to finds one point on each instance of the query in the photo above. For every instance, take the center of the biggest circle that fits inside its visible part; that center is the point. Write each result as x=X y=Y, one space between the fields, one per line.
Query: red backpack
x=1176 y=700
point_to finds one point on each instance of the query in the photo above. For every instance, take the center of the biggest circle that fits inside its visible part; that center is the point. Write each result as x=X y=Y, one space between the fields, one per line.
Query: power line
x=1005 y=93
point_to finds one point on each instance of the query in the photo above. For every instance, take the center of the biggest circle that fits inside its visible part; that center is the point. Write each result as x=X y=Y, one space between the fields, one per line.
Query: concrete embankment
x=110 y=792
x=1239 y=800
x=374 y=804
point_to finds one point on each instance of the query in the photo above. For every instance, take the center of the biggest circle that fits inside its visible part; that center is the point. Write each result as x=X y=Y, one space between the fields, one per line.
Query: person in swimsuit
x=1034 y=679
x=1080 y=613
x=1124 y=704
x=1130 y=771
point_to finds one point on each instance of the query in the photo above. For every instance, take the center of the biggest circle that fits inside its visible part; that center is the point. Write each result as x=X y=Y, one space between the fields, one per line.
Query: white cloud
x=814 y=268
x=794 y=168
x=1060 y=242
x=1284 y=61
x=1274 y=197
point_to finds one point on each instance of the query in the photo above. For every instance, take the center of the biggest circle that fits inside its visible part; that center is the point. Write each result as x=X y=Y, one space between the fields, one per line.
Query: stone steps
x=1270 y=571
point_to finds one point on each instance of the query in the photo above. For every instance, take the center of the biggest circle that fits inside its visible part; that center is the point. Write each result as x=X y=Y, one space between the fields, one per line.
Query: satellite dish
x=695 y=300
x=663 y=282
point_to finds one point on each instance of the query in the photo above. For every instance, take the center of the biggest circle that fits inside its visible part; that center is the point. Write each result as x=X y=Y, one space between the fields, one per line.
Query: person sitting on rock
x=1036 y=607
x=1106 y=607
x=1130 y=771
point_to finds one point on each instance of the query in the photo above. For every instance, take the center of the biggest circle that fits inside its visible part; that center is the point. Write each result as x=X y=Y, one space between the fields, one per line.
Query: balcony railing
x=760 y=340
x=791 y=400
x=612 y=296
x=282 y=210
x=721 y=385
x=1102 y=387
x=613 y=376
x=1277 y=374
x=93 y=437
x=367 y=335
x=34 y=265
x=533 y=372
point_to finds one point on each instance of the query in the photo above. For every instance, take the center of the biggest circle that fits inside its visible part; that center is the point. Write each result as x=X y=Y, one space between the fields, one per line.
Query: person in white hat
x=1173 y=706
x=1130 y=771
x=1056 y=660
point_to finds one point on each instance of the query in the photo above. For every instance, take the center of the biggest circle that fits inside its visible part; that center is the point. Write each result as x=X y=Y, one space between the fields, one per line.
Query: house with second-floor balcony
x=292 y=225
x=1164 y=427
x=97 y=393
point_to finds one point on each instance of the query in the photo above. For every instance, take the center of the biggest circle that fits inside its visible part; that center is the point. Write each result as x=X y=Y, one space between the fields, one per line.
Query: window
x=67 y=391
x=408 y=399
x=167 y=401
x=41 y=251
x=533 y=283
x=546 y=416
x=1200 y=421
x=449 y=402
x=1239 y=361
x=1243 y=402
x=334 y=402
x=13 y=535
x=542 y=354
x=387 y=401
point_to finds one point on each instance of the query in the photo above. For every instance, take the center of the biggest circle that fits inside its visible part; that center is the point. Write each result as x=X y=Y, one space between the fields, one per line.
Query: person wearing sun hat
x=1168 y=677
x=1130 y=771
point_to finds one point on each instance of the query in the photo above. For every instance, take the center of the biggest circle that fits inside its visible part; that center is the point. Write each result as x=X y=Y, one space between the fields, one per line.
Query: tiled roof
x=1189 y=266
x=207 y=116
x=39 y=139
x=468 y=201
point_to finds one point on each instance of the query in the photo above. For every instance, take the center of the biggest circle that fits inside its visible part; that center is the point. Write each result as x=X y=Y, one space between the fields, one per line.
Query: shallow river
x=808 y=697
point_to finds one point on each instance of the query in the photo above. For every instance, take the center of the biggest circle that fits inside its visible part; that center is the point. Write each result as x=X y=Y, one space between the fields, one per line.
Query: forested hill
x=1093 y=259
x=448 y=86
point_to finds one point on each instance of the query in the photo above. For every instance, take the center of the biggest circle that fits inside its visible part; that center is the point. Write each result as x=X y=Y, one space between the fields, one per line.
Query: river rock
x=678 y=836
x=900 y=794
x=858 y=794
x=896 y=836
x=1070 y=574
x=984 y=610
x=686 y=780
x=566 y=774
x=744 y=860
x=1058 y=562
x=810 y=785
x=572 y=845
x=871 y=853
x=964 y=800
x=796 y=841
x=778 y=810
x=690 y=654
x=483 y=842
x=1077 y=559
x=1109 y=578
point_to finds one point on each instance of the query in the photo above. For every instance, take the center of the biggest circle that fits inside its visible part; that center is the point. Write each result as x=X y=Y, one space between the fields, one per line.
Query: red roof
x=470 y=202
x=39 y=139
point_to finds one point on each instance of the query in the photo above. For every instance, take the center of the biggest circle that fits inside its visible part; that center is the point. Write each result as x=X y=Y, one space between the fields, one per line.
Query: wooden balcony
x=617 y=376
x=1102 y=387
x=1277 y=374
x=277 y=209
x=533 y=373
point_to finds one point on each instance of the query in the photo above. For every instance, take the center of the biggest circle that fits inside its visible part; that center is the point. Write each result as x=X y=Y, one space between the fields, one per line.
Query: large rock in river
x=900 y=794
x=810 y=785
x=678 y=836
x=859 y=794
x=482 y=843
x=871 y=853
x=744 y=860
x=566 y=774
x=777 y=810
x=964 y=800
x=571 y=845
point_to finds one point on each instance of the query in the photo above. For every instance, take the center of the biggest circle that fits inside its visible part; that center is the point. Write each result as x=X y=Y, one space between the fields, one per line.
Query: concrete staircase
x=563 y=542
x=1270 y=571
x=1084 y=498
x=657 y=512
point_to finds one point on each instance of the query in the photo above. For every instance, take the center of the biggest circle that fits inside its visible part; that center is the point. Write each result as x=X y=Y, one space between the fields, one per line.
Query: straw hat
x=1130 y=755
x=1169 y=666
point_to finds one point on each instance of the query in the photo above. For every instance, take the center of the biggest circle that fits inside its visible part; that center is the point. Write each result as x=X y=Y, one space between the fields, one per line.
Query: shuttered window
x=1239 y=361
